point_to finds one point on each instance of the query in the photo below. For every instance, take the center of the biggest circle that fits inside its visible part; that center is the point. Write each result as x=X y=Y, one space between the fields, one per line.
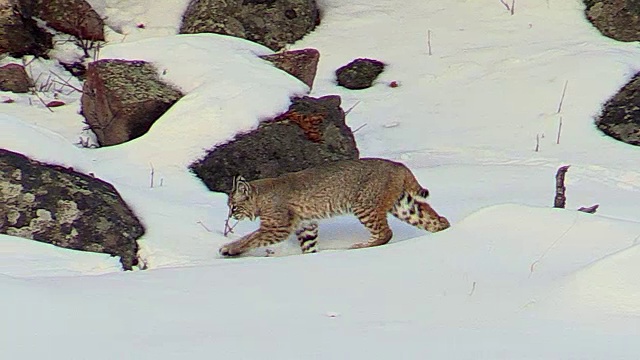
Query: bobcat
x=368 y=188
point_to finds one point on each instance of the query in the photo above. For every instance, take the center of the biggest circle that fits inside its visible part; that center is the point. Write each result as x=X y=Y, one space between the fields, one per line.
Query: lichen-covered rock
x=620 y=116
x=359 y=74
x=19 y=33
x=59 y=206
x=75 y=17
x=310 y=133
x=272 y=23
x=14 y=78
x=302 y=64
x=122 y=99
x=617 y=19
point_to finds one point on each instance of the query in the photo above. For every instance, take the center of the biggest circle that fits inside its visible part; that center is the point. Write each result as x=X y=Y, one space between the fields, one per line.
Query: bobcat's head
x=241 y=200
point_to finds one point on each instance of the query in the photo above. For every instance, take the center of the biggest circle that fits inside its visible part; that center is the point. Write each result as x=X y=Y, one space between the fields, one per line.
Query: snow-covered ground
x=512 y=277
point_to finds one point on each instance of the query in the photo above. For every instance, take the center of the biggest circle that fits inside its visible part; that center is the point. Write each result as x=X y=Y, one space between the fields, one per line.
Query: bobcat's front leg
x=273 y=229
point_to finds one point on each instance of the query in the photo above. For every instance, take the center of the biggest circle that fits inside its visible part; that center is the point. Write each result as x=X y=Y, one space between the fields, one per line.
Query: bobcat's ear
x=240 y=185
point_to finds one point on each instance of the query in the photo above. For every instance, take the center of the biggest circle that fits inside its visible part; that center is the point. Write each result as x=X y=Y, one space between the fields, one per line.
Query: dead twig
x=358 y=128
x=559 y=131
x=203 y=225
x=66 y=82
x=429 y=42
x=564 y=92
x=228 y=229
x=351 y=108
x=42 y=101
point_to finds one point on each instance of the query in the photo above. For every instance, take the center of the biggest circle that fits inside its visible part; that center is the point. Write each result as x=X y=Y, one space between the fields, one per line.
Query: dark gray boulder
x=121 y=99
x=59 y=206
x=617 y=19
x=359 y=74
x=311 y=133
x=272 y=23
x=19 y=33
x=13 y=77
x=620 y=116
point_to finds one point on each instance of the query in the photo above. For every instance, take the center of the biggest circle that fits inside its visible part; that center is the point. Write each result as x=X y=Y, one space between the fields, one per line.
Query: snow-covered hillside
x=512 y=277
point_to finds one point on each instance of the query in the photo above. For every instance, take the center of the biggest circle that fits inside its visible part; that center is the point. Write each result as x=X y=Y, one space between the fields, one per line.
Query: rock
x=301 y=64
x=122 y=99
x=617 y=19
x=59 y=206
x=74 y=17
x=13 y=77
x=272 y=23
x=19 y=33
x=311 y=132
x=620 y=116
x=359 y=74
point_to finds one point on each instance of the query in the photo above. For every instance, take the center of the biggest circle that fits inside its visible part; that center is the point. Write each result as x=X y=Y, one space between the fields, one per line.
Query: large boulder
x=311 y=132
x=617 y=19
x=13 y=77
x=19 y=33
x=359 y=74
x=301 y=64
x=620 y=116
x=122 y=99
x=57 y=205
x=75 y=17
x=272 y=23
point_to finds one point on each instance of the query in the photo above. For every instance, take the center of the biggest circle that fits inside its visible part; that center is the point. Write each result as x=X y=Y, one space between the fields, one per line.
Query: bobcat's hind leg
x=413 y=210
x=307 y=233
x=376 y=223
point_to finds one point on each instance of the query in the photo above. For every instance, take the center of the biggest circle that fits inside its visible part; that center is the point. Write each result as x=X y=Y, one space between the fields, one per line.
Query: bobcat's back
x=337 y=188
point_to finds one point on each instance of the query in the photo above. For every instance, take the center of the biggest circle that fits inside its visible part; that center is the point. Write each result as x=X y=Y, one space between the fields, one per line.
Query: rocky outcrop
x=311 y=132
x=14 y=78
x=122 y=99
x=617 y=19
x=19 y=33
x=57 y=205
x=620 y=116
x=301 y=64
x=74 y=17
x=359 y=74
x=272 y=23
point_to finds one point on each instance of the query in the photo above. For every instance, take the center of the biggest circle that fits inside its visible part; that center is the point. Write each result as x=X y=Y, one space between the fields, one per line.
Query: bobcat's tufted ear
x=240 y=185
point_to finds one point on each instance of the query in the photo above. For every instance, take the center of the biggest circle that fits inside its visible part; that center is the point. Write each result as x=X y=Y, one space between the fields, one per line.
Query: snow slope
x=512 y=278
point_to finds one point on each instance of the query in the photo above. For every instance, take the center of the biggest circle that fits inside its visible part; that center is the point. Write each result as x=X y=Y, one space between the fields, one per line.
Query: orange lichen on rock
x=309 y=123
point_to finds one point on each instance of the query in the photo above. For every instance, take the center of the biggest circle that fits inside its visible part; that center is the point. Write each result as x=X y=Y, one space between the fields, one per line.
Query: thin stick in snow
x=473 y=288
x=202 y=224
x=351 y=108
x=152 y=173
x=359 y=127
x=564 y=91
x=537 y=143
x=511 y=9
x=429 y=42
x=559 y=131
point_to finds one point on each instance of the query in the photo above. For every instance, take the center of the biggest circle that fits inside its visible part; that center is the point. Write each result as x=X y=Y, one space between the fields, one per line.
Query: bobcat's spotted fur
x=368 y=188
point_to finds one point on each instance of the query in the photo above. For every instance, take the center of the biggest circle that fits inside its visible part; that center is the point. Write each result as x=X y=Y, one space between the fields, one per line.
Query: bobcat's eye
x=234 y=209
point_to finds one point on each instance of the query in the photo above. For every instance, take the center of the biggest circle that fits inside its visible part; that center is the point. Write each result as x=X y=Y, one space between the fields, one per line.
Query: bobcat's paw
x=360 y=245
x=230 y=249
